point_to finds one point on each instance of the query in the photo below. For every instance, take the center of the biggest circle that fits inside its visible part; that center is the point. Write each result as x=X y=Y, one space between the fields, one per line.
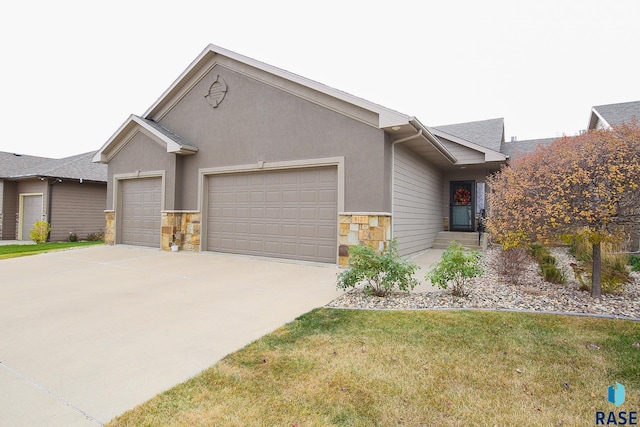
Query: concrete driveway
x=87 y=334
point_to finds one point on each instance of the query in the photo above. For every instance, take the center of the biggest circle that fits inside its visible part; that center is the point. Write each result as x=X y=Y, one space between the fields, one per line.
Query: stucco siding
x=259 y=122
x=417 y=202
x=77 y=208
x=142 y=155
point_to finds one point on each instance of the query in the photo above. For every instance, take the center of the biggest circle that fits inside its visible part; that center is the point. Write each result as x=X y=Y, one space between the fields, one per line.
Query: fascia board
x=102 y=155
x=431 y=139
x=592 y=123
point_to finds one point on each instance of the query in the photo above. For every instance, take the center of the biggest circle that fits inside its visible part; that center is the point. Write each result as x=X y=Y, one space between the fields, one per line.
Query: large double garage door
x=289 y=213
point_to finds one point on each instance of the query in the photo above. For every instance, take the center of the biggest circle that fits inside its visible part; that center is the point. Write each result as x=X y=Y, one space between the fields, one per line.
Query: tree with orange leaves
x=586 y=182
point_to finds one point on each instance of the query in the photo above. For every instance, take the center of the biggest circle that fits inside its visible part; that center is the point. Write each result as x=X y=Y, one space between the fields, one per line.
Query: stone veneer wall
x=182 y=228
x=373 y=229
x=110 y=227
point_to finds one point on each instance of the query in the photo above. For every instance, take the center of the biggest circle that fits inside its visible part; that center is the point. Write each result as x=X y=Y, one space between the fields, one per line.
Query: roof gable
x=214 y=55
x=158 y=133
x=611 y=115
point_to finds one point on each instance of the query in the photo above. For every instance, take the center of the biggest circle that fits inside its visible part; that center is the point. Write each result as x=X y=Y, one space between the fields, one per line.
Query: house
x=612 y=115
x=242 y=157
x=69 y=193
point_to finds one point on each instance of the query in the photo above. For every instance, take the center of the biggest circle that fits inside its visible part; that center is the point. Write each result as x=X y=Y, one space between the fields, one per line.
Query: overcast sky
x=73 y=71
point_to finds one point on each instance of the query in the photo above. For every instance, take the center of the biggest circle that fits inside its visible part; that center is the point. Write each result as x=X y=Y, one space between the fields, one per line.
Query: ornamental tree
x=587 y=182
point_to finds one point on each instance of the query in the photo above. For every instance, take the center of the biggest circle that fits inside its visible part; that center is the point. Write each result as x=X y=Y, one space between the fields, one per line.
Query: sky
x=73 y=71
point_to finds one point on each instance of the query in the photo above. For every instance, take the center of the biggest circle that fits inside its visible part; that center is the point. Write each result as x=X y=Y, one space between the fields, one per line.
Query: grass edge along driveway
x=452 y=368
x=14 y=251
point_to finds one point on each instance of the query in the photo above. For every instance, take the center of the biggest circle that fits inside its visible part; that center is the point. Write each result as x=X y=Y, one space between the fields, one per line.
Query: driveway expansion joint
x=52 y=394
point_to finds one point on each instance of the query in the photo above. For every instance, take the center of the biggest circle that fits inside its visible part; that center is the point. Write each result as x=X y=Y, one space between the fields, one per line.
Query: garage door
x=31 y=213
x=141 y=206
x=285 y=214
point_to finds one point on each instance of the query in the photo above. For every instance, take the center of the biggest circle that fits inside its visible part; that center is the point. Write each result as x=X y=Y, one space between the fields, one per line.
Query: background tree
x=587 y=182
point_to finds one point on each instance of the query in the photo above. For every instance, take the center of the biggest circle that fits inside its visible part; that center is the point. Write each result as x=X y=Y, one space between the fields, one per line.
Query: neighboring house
x=612 y=115
x=68 y=193
x=514 y=149
x=609 y=116
x=242 y=157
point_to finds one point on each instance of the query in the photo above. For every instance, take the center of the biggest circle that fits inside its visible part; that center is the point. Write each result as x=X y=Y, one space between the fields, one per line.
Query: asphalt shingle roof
x=616 y=114
x=515 y=149
x=75 y=167
x=488 y=133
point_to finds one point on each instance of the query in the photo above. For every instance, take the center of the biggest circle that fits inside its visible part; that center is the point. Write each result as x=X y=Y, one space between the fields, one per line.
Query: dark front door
x=462 y=202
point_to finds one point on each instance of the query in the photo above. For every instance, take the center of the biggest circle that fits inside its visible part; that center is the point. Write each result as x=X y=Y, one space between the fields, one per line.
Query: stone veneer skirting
x=357 y=229
x=181 y=228
x=110 y=227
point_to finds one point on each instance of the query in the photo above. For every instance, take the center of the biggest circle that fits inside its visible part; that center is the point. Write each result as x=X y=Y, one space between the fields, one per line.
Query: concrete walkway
x=89 y=333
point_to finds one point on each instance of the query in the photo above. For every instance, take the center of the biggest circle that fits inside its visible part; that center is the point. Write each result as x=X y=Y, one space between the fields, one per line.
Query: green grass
x=13 y=251
x=335 y=367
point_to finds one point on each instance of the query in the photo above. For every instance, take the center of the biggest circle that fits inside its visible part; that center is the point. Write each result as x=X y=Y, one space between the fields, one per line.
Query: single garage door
x=141 y=206
x=288 y=213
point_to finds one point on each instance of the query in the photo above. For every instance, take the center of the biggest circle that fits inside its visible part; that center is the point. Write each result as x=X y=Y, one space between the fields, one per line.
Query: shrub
x=548 y=264
x=634 y=262
x=40 y=231
x=381 y=272
x=614 y=273
x=456 y=267
x=552 y=274
x=95 y=237
x=73 y=237
x=512 y=263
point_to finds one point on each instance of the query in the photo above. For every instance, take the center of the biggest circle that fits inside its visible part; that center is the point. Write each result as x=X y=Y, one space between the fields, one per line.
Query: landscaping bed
x=492 y=290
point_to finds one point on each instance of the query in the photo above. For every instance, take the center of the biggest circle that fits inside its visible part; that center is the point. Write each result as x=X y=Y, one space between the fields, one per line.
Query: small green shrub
x=381 y=273
x=456 y=267
x=634 y=262
x=40 y=231
x=552 y=274
x=95 y=237
x=73 y=237
x=548 y=264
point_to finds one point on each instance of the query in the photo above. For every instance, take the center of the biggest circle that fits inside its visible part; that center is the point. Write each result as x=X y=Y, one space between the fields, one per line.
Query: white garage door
x=285 y=214
x=141 y=207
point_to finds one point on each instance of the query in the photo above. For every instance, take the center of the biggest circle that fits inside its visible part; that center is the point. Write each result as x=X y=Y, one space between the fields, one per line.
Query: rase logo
x=615 y=395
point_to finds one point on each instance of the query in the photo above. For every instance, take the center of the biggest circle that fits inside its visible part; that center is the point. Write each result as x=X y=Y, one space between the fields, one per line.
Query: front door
x=461 y=201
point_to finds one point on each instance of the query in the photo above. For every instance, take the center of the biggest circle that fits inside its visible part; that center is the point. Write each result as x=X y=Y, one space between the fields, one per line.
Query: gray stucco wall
x=258 y=122
x=144 y=155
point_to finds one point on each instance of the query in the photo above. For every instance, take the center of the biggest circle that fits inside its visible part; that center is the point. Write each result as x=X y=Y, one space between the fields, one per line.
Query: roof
x=387 y=119
x=615 y=114
x=515 y=149
x=80 y=166
x=488 y=133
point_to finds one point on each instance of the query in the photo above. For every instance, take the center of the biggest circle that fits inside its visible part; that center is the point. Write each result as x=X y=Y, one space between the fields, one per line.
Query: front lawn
x=12 y=251
x=410 y=368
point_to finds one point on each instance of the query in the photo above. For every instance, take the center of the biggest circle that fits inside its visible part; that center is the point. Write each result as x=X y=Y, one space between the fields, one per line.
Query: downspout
x=393 y=170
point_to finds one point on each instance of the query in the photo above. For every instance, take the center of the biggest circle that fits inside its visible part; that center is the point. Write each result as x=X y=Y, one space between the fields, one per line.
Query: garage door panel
x=141 y=211
x=293 y=213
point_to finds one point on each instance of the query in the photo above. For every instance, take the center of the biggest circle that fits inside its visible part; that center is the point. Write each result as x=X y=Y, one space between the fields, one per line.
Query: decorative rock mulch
x=493 y=291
